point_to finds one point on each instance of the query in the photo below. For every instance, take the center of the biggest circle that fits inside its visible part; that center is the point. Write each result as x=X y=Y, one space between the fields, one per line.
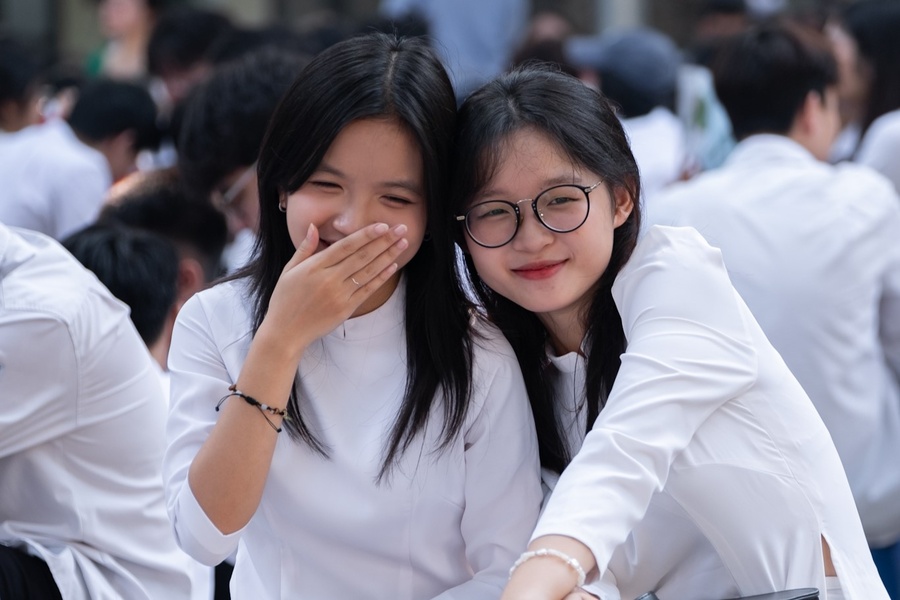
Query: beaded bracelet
x=263 y=408
x=571 y=562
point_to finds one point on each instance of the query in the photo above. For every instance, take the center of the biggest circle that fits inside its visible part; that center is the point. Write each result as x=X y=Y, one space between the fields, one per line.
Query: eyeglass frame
x=225 y=199
x=587 y=189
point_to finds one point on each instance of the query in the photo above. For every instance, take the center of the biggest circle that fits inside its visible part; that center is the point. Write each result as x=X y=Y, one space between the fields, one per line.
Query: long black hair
x=875 y=25
x=376 y=76
x=585 y=127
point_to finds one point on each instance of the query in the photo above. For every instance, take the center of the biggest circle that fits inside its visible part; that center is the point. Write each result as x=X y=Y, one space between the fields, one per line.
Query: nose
x=352 y=216
x=532 y=235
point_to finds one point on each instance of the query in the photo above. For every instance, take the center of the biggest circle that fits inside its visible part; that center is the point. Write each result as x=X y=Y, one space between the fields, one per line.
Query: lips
x=539 y=270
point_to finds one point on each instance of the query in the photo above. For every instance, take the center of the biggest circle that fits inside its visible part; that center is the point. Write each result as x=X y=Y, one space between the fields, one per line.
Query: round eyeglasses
x=561 y=208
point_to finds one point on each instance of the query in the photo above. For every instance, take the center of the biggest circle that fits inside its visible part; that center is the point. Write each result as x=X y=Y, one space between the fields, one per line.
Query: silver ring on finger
x=353 y=279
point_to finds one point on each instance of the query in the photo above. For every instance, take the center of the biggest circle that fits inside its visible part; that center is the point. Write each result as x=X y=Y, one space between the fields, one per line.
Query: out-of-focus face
x=550 y=274
x=854 y=74
x=372 y=173
x=119 y=18
x=827 y=124
x=238 y=197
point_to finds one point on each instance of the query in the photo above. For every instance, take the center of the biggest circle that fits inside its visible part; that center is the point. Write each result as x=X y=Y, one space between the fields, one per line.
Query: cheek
x=487 y=264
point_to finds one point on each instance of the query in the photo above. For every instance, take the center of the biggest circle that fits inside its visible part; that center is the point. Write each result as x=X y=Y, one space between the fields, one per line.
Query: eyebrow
x=570 y=179
x=399 y=183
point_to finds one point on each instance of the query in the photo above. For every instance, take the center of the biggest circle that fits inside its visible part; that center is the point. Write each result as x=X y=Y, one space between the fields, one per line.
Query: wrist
x=272 y=341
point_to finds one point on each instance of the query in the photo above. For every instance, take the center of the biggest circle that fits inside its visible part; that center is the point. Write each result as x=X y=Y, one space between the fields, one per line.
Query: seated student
x=82 y=421
x=223 y=127
x=56 y=174
x=178 y=46
x=686 y=458
x=141 y=270
x=408 y=467
x=638 y=71
x=812 y=249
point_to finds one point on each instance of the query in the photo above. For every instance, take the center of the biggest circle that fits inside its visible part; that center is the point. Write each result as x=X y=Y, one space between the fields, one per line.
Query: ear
x=623 y=206
x=191 y=279
x=806 y=119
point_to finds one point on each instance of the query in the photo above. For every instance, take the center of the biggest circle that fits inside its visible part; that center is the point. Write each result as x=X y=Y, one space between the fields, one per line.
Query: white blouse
x=444 y=525
x=708 y=474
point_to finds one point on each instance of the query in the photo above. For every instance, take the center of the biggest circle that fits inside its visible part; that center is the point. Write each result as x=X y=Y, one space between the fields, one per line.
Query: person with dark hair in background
x=56 y=174
x=158 y=201
x=139 y=268
x=178 y=46
x=637 y=70
x=117 y=119
x=812 y=249
x=409 y=468
x=874 y=26
x=221 y=133
x=19 y=87
x=82 y=430
x=684 y=458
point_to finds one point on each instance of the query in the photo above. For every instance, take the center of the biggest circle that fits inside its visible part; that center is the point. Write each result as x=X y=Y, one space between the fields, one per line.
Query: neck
x=566 y=330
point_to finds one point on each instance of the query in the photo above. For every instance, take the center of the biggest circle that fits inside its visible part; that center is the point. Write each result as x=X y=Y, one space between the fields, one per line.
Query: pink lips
x=539 y=270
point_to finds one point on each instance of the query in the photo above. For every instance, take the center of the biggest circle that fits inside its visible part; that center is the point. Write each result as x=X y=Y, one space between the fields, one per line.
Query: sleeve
x=503 y=481
x=689 y=351
x=198 y=380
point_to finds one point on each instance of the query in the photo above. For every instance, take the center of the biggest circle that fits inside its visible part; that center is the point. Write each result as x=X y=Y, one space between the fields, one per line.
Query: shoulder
x=225 y=307
x=669 y=249
x=39 y=276
x=673 y=271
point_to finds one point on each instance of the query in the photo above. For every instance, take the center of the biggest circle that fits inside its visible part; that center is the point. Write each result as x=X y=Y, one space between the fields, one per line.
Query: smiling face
x=371 y=173
x=550 y=274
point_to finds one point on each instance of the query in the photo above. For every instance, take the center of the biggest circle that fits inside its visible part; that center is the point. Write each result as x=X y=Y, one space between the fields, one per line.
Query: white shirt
x=708 y=474
x=658 y=143
x=51 y=182
x=81 y=432
x=446 y=525
x=812 y=249
x=880 y=147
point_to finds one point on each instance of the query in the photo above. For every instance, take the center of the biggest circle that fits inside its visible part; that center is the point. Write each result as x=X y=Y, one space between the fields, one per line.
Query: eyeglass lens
x=494 y=223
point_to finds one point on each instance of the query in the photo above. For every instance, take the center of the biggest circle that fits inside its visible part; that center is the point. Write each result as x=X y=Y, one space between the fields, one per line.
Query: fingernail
x=381 y=228
x=402 y=244
x=309 y=232
x=400 y=229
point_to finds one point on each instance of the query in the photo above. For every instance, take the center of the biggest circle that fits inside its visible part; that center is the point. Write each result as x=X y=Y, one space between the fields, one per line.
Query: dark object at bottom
x=802 y=594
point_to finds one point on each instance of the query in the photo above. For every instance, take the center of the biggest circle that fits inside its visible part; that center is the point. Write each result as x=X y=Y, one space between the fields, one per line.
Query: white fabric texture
x=658 y=142
x=82 y=433
x=52 y=183
x=708 y=474
x=880 y=147
x=812 y=249
x=446 y=525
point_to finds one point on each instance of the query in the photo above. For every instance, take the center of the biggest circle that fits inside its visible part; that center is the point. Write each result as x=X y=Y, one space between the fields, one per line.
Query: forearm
x=229 y=472
x=549 y=577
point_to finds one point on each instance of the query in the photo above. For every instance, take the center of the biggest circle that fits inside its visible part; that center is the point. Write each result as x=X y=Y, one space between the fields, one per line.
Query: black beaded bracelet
x=263 y=408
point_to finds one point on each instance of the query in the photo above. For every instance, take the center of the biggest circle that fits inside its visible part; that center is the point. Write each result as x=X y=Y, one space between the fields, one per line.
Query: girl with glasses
x=685 y=458
x=338 y=416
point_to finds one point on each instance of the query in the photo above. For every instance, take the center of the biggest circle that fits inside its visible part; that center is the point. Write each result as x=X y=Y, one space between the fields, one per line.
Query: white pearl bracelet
x=571 y=562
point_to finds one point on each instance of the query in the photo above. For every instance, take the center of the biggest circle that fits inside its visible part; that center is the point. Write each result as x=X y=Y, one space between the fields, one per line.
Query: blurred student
x=224 y=124
x=812 y=249
x=56 y=174
x=19 y=88
x=82 y=514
